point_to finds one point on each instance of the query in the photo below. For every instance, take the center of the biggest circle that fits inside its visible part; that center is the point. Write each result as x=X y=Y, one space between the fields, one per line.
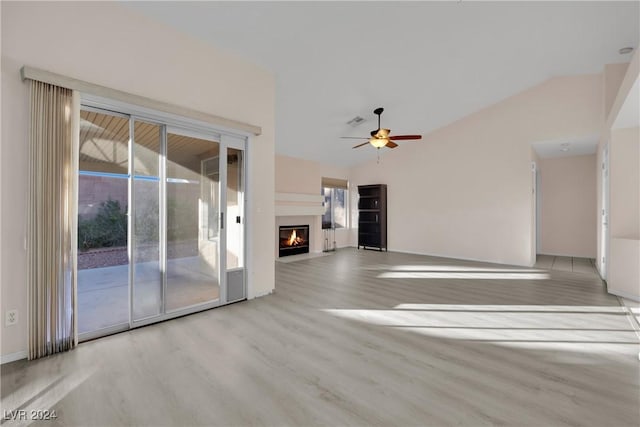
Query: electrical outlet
x=12 y=317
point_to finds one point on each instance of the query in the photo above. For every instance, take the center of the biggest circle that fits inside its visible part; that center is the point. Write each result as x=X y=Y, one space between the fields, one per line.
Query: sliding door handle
x=221 y=220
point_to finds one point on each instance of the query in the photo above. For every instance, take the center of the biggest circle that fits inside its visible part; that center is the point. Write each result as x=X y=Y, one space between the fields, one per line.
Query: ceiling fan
x=380 y=137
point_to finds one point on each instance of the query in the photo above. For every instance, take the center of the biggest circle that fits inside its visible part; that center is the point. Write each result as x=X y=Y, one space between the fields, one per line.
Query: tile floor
x=565 y=263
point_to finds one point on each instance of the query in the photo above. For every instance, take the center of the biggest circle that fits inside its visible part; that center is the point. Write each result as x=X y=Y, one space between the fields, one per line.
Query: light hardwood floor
x=362 y=338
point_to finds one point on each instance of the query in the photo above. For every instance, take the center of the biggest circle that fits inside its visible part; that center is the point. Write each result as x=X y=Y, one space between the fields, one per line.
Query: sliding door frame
x=183 y=126
x=162 y=184
x=238 y=144
x=222 y=167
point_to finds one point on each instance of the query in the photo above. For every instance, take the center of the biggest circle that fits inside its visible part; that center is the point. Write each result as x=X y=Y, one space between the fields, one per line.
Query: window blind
x=335 y=183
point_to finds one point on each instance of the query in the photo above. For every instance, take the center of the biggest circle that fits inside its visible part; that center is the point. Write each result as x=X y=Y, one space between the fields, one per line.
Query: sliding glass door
x=103 y=261
x=193 y=218
x=146 y=275
x=175 y=195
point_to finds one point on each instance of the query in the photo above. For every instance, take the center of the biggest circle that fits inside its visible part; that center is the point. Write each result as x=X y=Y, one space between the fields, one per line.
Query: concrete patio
x=103 y=293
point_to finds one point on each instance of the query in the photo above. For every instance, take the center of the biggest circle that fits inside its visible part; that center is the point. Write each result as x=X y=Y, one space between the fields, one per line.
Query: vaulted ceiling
x=426 y=63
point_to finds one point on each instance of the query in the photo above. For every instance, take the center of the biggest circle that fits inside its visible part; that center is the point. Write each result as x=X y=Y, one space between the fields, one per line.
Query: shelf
x=372 y=232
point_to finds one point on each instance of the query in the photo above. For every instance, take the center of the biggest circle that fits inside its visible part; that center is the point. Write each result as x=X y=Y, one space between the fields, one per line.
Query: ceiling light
x=383 y=133
x=625 y=50
x=565 y=149
x=378 y=142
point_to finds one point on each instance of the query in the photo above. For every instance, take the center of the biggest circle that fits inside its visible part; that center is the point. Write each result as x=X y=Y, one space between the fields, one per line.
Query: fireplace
x=293 y=240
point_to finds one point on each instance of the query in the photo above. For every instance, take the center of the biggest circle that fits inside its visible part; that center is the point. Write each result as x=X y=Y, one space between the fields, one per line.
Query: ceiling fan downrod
x=378 y=112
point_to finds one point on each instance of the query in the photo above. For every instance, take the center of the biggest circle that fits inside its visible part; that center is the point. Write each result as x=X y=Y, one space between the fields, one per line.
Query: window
x=336 y=197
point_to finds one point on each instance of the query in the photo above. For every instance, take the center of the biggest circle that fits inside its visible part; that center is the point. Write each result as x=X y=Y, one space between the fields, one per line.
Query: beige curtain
x=51 y=221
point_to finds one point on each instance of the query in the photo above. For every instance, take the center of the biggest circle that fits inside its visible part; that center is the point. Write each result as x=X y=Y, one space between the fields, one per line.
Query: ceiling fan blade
x=360 y=145
x=391 y=144
x=354 y=137
x=404 y=137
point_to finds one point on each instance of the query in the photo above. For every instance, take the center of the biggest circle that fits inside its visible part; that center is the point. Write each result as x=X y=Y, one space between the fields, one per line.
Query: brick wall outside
x=183 y=199
x=93 y=190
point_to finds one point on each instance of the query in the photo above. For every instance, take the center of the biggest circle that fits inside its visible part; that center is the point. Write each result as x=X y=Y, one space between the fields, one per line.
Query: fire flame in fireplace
x=294 y=240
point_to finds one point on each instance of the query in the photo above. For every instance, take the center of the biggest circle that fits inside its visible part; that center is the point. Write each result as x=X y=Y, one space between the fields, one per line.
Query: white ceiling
x=426 y=63
x=566 y=147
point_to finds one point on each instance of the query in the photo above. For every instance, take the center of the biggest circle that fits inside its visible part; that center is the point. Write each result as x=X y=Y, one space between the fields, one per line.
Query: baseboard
x=626 y=295
x=458 y=258
x=12 y=357
x=263 y=294
x=567 y=256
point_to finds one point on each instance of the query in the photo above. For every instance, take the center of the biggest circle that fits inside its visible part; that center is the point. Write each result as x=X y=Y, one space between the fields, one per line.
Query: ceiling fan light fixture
x=380 y=137
x=378 y=142
x=383 y=133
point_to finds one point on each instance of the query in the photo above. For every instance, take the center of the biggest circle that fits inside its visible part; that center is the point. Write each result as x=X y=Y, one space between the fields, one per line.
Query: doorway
x=153 y=242
x=535 y=212
x=604 y=214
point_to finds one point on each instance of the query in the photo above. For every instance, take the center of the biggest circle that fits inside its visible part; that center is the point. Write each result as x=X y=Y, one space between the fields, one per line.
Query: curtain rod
x=31 y=73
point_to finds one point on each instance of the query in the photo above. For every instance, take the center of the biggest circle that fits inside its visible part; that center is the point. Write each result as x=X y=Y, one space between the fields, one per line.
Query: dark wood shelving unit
x=372 y=216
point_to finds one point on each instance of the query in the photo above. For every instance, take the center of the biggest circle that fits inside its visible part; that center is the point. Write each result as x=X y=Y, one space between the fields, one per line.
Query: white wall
x=568 y=206
x=111 y=45
x=623 y=240
x=464 y=191
x=624 y=161
x=613 y=76
x=293 y=175
x=624 y=267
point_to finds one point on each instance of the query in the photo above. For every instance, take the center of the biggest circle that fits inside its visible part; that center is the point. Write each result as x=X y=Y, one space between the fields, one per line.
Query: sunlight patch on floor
x=589 y=328
x=458 y=272
x=611 y=309
x=453 y=268
x=462 y=275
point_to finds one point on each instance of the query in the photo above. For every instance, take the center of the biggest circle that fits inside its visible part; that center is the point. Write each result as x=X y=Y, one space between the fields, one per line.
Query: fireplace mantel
x=296 y=204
